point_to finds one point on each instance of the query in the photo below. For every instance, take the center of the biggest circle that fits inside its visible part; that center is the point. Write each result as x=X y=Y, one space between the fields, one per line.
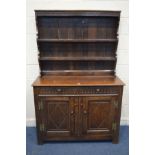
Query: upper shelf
x=77 y=40
x=78 y=58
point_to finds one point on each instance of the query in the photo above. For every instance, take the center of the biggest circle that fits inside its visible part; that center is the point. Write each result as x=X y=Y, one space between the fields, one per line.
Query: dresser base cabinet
x=78 y=112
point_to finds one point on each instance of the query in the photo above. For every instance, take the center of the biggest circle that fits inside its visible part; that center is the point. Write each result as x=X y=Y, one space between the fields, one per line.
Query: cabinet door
x=97 y=115
x=57 y=117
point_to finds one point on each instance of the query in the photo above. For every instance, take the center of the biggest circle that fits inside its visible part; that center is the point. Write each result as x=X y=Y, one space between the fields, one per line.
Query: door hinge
x=42 y=127
x=40 y=105
x=113 y=126
x=116 y=104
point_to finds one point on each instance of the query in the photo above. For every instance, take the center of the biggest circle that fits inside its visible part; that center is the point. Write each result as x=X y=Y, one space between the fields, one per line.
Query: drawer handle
x=98 y=90
x=59 y=90
x=83 y=21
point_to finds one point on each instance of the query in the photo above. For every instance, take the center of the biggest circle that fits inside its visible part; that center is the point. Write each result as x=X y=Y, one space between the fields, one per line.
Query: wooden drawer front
x=77 y=90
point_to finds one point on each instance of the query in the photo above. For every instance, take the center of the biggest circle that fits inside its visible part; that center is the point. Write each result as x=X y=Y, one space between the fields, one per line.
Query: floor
x=77 y=148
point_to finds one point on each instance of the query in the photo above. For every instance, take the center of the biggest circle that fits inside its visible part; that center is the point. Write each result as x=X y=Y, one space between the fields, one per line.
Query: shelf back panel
x=77 y=27
x=77 y=49
x=77 y=65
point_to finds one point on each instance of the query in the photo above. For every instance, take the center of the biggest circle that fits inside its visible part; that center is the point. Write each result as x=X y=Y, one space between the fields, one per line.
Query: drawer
x=78 y=90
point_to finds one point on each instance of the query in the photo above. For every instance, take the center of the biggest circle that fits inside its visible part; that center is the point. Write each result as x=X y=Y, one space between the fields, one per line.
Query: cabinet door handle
x=85 y=112
x=72 y=112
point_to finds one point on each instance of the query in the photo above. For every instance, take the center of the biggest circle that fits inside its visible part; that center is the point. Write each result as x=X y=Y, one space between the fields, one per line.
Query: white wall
x=32 y=52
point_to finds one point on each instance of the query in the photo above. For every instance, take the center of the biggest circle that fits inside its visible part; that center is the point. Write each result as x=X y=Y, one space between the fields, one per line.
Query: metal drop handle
x=85 y=111
x=98 y=90
x=59 y=90
x=72 y=112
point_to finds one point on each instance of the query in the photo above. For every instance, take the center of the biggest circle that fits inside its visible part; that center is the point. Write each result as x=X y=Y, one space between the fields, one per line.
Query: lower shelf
x=79 y=72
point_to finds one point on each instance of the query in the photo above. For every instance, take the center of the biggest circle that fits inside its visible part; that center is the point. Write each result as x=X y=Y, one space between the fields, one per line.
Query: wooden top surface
x=77 y=81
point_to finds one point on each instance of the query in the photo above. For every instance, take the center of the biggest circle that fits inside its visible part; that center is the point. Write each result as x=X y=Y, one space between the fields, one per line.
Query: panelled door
x=63 y=117
x=97 y=115
x=57 y=116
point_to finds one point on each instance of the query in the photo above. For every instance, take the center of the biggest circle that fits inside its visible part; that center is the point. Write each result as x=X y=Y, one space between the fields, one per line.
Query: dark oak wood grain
x=77 y=40
x=77 y=58
x=77 y=80
x=77 y=95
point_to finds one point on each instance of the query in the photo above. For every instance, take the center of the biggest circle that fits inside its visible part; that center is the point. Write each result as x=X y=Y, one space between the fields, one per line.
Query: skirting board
x=30 y=122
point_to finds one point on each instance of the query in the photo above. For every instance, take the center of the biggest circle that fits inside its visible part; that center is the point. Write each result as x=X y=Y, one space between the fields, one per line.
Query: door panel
x=57 y=116
x=97 y=115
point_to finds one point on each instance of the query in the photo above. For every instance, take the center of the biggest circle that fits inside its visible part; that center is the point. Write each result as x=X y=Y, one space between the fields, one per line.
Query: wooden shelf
x=77 y=40
x=78 y=58
x=79 y=72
